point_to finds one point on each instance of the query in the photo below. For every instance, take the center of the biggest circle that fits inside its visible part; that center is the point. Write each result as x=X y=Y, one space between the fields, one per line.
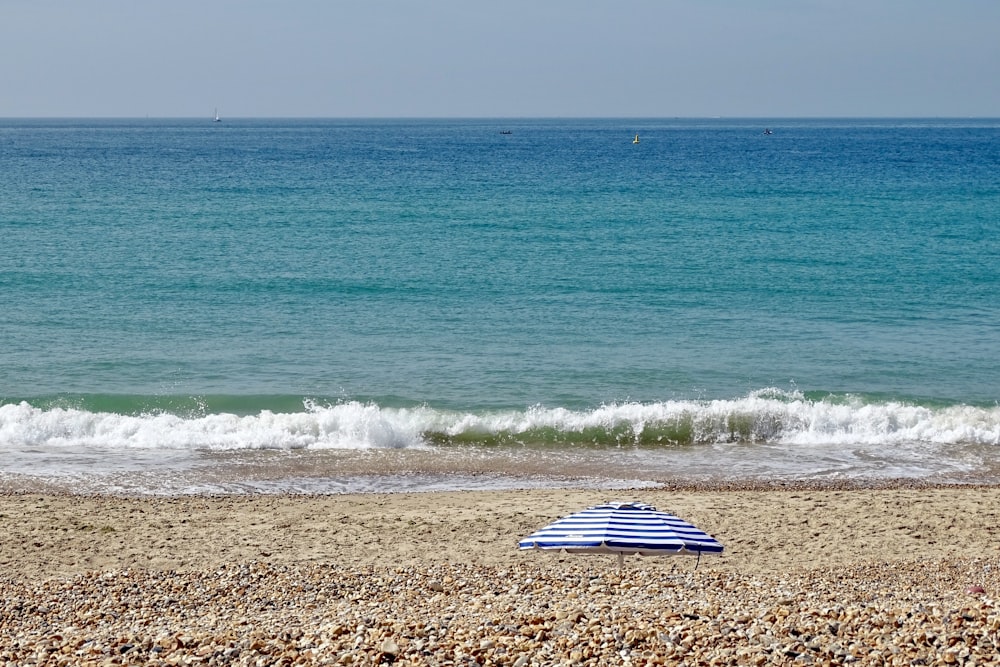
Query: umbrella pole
x=698 y=562
x=621 y=560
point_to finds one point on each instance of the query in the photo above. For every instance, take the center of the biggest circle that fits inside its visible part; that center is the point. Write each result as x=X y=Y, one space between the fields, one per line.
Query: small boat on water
x=636 y=140
x=767 y=130
x=217 y=119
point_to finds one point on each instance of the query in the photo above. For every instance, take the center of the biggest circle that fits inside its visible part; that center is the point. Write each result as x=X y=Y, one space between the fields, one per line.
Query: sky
x=514 y=58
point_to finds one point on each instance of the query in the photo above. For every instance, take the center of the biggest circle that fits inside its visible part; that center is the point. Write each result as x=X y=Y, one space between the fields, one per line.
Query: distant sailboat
x=636 y=140
x=217 y=119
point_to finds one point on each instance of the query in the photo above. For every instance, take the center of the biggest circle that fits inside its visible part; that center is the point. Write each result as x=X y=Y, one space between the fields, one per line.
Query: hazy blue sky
x=373 y=58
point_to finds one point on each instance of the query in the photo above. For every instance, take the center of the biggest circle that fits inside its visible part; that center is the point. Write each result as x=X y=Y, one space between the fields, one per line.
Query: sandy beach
x=812 y=575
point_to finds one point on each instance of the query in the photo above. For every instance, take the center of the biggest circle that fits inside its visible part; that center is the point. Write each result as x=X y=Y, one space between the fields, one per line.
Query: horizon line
x=510 y=118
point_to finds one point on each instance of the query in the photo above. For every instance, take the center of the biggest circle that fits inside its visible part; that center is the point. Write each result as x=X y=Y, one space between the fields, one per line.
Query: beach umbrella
x=623 y=529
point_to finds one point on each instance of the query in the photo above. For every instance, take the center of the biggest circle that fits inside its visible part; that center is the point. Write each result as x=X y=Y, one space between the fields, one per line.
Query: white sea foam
x=356 y=446
x=770 y=417
x=349 y=425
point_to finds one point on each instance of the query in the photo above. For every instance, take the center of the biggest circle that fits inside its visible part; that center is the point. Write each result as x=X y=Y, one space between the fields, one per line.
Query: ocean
x=328 y=306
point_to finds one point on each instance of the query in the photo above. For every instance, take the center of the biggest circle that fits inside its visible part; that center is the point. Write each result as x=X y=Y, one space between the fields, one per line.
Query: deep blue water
x=298 y=285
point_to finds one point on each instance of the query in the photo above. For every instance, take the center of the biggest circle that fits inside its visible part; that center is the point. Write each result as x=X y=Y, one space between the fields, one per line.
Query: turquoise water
x=255 y=303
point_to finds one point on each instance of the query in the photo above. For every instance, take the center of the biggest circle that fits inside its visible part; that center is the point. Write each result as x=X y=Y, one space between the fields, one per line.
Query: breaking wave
x=766 y=416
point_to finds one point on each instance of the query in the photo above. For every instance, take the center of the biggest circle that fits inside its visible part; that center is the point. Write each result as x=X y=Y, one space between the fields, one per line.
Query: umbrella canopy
x=623 y=528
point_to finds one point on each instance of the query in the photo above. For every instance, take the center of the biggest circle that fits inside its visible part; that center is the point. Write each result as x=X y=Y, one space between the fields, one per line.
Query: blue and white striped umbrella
x=623 y=529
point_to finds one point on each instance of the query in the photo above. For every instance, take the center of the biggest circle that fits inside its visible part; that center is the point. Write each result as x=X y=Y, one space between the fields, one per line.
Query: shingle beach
x=901 y=574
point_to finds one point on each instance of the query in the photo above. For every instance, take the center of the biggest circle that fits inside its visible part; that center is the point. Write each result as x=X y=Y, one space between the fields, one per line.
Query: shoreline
x=822 y=575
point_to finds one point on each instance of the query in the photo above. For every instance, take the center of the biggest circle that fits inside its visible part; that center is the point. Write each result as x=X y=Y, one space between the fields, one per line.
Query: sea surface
x=326 y=306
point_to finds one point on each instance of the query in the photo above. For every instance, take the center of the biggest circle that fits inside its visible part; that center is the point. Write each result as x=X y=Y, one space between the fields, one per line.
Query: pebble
x=258 y=613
